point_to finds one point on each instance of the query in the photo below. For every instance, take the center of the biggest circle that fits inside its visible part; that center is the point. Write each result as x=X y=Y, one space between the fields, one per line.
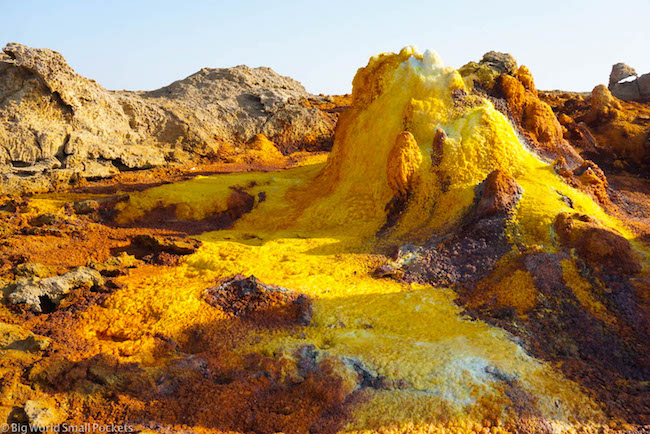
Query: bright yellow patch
x=583 y=291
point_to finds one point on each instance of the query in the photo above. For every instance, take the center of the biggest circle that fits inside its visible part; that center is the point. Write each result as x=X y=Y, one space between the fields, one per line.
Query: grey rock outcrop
x=235 y=104
x=56 y=124
x=634 y=90
x=502 y=62
x=40 y=295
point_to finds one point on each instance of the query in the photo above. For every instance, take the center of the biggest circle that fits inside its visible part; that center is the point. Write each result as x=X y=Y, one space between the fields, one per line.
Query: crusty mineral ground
x=471 y=256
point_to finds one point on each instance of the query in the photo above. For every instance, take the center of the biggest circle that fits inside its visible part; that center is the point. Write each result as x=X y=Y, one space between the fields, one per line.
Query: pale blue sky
x=147 y=44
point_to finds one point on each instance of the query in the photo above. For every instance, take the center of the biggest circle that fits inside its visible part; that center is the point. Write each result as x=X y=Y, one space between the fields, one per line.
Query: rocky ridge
x=57 y=126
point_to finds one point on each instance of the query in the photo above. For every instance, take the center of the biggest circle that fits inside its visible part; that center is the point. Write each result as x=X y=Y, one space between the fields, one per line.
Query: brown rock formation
x=437 y=146
x=599 y=246
x=604 y=107
x=498 y=194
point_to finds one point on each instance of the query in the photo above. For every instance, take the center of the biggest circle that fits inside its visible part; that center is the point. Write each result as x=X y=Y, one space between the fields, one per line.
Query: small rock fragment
x=401 y=257
x=245 y=296
x=13 y=337
x=115 y=265
x=42 y=413
x=85 y=206
x=239 y=203
x=169 y=244
x=44 y=220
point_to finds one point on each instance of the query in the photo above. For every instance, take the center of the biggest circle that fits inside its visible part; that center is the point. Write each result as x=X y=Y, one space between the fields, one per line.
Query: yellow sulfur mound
x=261 y=150
x=400 y=102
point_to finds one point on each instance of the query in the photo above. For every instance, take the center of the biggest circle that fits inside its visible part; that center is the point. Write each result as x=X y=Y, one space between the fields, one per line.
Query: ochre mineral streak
x=404 y=159
x=461 y=261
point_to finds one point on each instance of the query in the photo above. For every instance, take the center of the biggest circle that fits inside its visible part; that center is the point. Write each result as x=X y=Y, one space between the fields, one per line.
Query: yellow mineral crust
x=410 y=333
x=205 y=195
x=261 y=150
x=312 y=232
